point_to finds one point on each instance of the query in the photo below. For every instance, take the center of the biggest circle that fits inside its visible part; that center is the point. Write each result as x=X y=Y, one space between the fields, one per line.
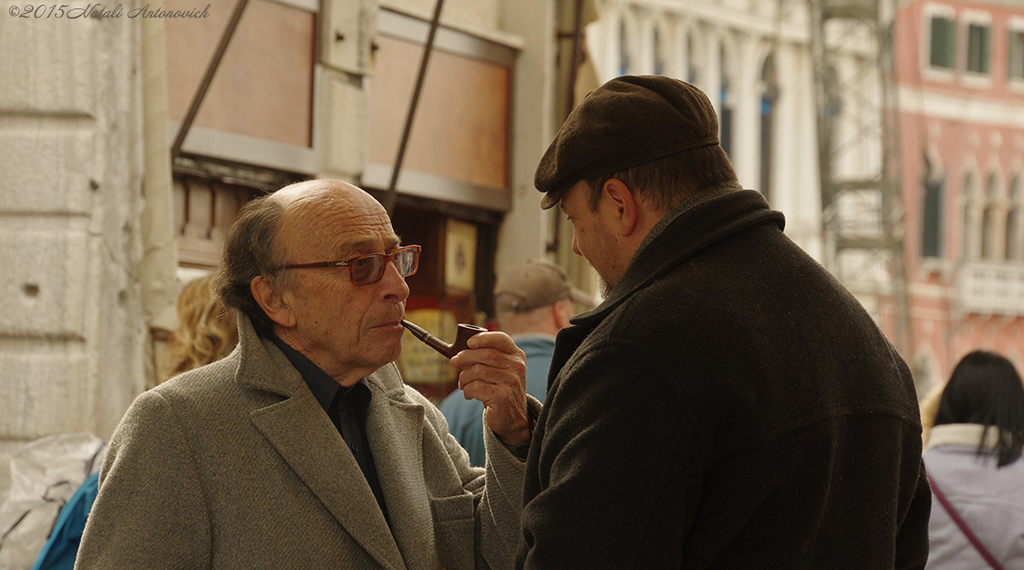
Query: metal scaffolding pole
x=857 y=112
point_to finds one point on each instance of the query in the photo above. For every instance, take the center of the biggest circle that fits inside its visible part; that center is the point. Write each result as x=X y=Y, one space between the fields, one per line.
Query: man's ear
x=624 y=205
x=563 y=310
x=272 y=303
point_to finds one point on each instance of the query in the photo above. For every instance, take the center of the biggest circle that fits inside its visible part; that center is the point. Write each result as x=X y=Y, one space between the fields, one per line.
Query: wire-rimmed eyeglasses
x=368 y=269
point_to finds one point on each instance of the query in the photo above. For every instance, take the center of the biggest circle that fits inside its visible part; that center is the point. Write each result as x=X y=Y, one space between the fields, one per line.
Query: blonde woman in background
x=929 y=408
x=206 y=330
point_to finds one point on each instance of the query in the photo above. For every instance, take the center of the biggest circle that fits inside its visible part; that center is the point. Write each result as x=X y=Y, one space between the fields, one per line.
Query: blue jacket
x=61 y=547
x=465 y=417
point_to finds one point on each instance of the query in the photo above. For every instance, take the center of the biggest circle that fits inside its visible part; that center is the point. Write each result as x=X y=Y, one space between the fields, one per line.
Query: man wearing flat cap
x=533 y=301
x=729 y=404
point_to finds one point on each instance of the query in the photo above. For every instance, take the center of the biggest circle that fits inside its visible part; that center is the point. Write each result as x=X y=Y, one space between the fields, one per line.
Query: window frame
x=1015 y=26
x=970 y=238
x=968 y=20
x=933 y=49
x=930 y=13
x=974 y=62
x=1013 y=251
x=934 y=190
x=992 y=217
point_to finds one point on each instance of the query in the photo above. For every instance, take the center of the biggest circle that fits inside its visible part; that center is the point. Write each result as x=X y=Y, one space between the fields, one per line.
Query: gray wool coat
x=236 y=465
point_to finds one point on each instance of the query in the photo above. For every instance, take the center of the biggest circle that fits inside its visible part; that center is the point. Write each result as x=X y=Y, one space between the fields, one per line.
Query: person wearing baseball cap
x=533 y=301
x=728 y=404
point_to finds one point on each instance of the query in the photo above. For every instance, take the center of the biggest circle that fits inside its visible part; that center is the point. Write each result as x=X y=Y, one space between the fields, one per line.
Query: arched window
x=1013 y=221
x=726 y=96
x=833 y=106
x=931 y=225
x=769 y=95
x=625 y=62
x=968 y=238
x=989 y=244
x=660 y=61
x=692 y=67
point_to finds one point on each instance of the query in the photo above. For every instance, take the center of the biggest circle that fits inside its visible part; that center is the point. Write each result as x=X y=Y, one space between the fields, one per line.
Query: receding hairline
x=303 y=204
x=301 y=199
x=315 y=191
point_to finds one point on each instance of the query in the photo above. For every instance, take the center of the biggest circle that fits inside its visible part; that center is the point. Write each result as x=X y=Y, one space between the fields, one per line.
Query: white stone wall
x=709 y=42
x=525 y=232
x=72 y=338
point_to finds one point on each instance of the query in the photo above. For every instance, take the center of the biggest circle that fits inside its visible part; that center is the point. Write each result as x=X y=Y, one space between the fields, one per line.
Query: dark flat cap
x=628 y=121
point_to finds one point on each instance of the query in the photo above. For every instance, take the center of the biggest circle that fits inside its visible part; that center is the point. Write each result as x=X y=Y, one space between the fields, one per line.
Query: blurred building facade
x=105 y=207
x=961 y=95
x=923 y=150
x=752 y=58
x=116 y=186
x=760 y=63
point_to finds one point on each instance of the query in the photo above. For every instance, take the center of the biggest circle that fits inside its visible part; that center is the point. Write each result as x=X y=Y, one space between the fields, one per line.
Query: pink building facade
x=960 y=69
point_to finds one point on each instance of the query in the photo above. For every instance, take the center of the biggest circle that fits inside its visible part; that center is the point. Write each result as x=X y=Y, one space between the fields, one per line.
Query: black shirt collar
x=323 y=387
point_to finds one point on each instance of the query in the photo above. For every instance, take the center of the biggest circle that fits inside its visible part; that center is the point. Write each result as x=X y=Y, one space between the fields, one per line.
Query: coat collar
x=692 y=226
x=964 y=435
x=395 y=429
x=304 y=436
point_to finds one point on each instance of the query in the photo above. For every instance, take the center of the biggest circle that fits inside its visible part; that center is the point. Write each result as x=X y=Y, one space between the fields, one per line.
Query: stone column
x=72 y=336
x=525 y=231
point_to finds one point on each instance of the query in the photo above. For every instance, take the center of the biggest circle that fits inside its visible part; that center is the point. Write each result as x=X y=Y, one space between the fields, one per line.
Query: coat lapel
x=395 y=430
x=304 y=436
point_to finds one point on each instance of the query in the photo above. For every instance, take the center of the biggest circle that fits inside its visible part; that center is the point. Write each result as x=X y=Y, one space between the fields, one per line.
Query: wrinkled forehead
x=331 y=220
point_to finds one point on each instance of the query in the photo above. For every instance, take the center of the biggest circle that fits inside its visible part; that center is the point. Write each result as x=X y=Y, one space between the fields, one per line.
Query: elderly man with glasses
x=304 y=448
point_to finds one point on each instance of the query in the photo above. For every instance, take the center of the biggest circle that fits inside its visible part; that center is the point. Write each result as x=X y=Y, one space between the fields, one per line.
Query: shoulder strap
x=963 y=526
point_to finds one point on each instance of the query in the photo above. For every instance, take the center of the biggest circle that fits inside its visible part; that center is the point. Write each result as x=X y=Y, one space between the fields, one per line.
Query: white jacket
x=989 y=500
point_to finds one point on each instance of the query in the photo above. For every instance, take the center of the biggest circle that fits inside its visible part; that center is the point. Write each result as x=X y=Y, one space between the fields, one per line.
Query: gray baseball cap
x=535 y=283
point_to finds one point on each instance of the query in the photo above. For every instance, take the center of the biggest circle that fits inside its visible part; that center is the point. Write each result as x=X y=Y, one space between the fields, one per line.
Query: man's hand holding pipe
x=494 y=372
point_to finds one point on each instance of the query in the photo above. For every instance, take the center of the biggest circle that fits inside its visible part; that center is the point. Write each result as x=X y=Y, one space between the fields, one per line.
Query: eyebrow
x=390 y=242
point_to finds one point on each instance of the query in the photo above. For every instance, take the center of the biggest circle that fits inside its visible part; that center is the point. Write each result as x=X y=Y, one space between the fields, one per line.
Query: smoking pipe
x=449 y=350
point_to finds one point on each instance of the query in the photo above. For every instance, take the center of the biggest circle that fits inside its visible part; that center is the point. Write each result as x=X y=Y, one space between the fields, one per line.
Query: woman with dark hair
x=974 y=464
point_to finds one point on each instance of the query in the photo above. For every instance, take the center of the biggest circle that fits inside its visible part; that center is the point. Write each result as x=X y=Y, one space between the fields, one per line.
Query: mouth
x=389 y=326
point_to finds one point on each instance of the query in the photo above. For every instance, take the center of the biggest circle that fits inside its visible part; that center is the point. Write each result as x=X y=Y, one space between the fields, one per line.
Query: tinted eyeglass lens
x=406 y=261
x=367 y=269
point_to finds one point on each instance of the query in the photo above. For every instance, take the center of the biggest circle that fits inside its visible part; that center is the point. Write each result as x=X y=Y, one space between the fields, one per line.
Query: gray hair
x=250 y=250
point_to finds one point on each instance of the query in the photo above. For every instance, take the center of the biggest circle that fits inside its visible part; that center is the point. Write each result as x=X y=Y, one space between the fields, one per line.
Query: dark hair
x=985 y=389
x=669 y=180
x=249 y=251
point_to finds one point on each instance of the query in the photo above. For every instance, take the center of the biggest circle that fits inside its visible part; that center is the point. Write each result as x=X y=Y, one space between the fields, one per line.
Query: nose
x=575 y=245
x=392 y=285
